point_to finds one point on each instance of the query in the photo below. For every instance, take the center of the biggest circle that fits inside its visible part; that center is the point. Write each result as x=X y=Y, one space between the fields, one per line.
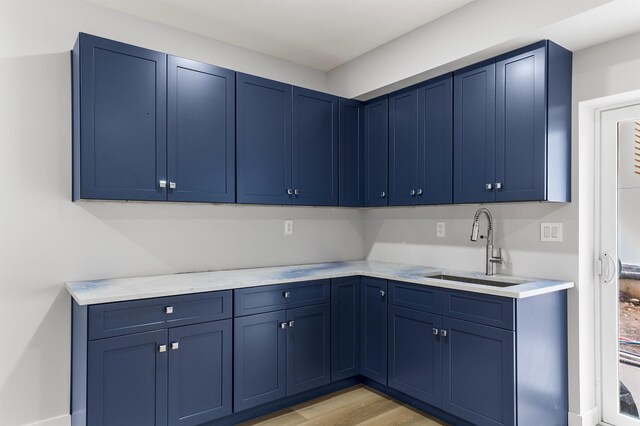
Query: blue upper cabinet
x=200 y=132
x=351 y=153
x=376 y=152
x=403 y=147
x=435 y=141
x=474 y=134
x=512 y=127
x=119 y=121
x=263 y=144
x=314 y=148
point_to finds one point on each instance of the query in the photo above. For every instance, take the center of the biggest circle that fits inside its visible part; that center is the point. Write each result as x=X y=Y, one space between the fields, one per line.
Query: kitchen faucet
x=491 y=260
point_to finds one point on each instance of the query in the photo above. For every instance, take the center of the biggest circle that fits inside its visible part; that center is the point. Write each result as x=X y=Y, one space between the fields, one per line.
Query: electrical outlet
x=551 y=232
x=288 y=227
x=440 y=229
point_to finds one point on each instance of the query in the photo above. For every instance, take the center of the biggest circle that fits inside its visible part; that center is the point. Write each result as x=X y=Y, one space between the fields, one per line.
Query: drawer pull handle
x=286 y=294
x=175 y=345
x=162 y=184
x=291 y=324
x=162 y=348
x=168 y=310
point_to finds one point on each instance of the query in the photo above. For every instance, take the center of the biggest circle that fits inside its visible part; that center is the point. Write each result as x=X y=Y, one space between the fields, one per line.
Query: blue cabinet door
x=376 y=152
x=521 y=146
x=200 y=132
x=200 y=366
x=403 y=147
x=435 y=141
x=259 y=359
x=263 y=144
x=308 y=348
x=351 y=153
x=474 y=135
x=373 y=329
x=122 y=145
x=127 y=380
x=478 y=369
x=415 y=354
x=314 y=148
x=345 y=327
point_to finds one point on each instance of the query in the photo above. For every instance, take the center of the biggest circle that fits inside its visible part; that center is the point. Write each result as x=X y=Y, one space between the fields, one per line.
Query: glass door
x=619 y=195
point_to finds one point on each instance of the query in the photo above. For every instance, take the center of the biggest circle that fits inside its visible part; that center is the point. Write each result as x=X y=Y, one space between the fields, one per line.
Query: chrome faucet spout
x=491 y=259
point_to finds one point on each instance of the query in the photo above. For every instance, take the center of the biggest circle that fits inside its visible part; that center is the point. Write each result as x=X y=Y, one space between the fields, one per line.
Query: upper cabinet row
x=151 y=126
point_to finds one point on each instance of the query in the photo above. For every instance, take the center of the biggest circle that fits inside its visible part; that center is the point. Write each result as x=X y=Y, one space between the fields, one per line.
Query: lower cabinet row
x=161 y=365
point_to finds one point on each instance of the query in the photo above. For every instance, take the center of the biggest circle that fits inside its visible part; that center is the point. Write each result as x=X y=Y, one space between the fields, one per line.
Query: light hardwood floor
x=357 y=405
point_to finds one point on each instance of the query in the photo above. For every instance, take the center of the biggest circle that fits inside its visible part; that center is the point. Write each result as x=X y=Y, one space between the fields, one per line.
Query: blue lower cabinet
x=373 y=329
x=308 y=348
x=345 y=328
x=478 y=370
x=200 y=367
x=260 y=368
x=415 y=354
x=127 y=380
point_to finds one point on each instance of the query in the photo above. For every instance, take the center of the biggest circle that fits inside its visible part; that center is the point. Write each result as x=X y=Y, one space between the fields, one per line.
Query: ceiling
x=321 y=34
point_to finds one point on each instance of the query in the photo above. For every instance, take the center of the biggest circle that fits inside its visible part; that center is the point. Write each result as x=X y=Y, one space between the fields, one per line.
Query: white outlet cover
x=288 y=227
x=551 y=232
x=441 y=229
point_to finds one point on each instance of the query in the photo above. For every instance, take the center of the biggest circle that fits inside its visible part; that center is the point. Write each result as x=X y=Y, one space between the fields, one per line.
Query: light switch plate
x=288 y=227
x=551 y=232
x=440 y=229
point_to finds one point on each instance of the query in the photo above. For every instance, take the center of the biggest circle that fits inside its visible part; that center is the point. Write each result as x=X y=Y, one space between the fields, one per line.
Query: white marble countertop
x=115 y=290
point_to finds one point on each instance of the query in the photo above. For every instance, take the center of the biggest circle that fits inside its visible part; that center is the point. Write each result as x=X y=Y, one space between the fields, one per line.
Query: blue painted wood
x=521 y=127
x=542 y=376
x=373 y=329
x=559 y=72
x=259 y=360
x=435 y=141
x=415 y=296
x=474 y=134
x=127 y=380
x=403 y=147
x=118 y=318
x=200 y=131
x=200 y=379
x=79 y=354
x=345 y=327
x=314 y=148
x=263 y=140
x=481 y=308
x=351 y=153
x=76 y=182
x=478 y=373
x=376 y=152
x=415 y=363
x=253 y=300
x=308 y=348
x=122 y=143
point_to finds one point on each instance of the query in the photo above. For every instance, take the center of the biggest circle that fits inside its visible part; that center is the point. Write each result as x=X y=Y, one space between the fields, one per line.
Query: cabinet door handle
x=443 y=333
x=172 y=185
x=175 y=345
x=383 y=194
x=498 y=185
x=435 y=331
x=162 y=348
x=420 y=191
x=413 y=193
x=489 y=186
x=382 y=293
x=286 y=294
x=283 y=325
x=291 y=323
x=296 y=192
x=162 y=183
x=289 y=191
x=168 y=310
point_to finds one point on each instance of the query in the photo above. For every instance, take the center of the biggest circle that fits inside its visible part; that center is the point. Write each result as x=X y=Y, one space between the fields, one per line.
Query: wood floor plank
x=401 y=415
x=286 y=417
x=315 y=408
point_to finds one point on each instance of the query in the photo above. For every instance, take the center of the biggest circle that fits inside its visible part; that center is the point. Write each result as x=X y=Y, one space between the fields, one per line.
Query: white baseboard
x=54 y=421
x=588 y=418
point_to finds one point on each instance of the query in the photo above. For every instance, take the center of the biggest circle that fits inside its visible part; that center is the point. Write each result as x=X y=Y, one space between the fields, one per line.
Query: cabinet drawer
x=115 y=319
x=270 y=298
x=480 y=308
x=414 y=296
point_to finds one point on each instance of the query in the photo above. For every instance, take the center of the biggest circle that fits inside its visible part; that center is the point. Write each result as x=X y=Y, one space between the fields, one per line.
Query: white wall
x=45 y=239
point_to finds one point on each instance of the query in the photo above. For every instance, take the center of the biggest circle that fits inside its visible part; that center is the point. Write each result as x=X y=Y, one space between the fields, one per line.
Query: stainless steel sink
x=471 y=280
